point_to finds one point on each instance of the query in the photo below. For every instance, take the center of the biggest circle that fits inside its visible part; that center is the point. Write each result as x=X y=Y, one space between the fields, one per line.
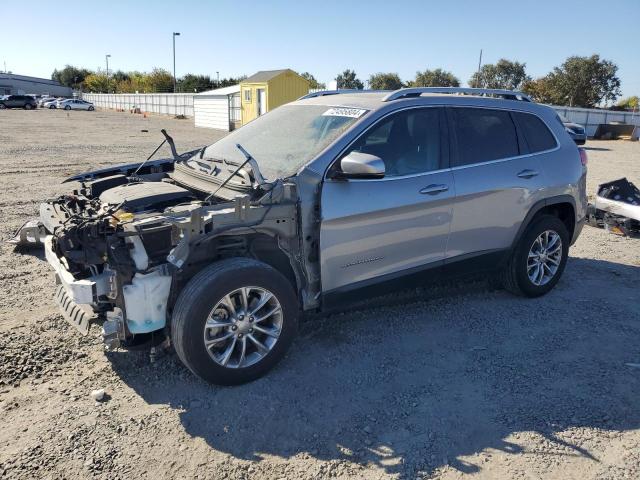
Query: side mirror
x=361 y=165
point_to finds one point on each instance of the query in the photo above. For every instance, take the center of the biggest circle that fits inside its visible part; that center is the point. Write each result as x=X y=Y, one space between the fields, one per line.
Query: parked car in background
x=18 y=101
x=576 y=131
x=44 y=100
x=221 y=248
x=75 y=104
x=52 y=103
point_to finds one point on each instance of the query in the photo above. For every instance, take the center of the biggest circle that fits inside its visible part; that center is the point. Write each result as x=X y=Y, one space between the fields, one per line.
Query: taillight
x=583 y=157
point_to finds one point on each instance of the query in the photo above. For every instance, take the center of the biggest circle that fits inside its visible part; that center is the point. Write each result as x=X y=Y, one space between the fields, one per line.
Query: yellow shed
x=269 y=89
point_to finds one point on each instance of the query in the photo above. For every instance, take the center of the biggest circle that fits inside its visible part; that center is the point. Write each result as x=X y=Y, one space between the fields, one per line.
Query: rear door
x=497 y=180
x=372 y=229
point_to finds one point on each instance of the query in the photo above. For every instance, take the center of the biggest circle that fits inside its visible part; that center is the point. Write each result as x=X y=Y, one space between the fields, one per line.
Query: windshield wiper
x=254 y=167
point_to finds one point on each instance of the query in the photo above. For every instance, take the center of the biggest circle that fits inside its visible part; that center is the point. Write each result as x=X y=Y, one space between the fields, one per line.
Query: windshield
x=285 y=139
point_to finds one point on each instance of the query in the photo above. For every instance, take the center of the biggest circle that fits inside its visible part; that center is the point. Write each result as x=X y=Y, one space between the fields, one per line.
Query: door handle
x=527 y=173
x=434 y=188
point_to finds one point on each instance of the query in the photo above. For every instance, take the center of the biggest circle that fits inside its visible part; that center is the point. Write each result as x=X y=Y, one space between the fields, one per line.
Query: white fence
x=591 y=118
x=164 y=103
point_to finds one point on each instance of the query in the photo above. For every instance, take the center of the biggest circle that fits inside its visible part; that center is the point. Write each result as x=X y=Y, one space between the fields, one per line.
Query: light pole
x=107 y=57
x=175 y=34
x=217 y=79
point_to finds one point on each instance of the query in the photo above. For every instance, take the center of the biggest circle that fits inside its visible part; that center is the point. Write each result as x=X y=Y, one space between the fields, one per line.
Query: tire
x=2 y=106
x=204 y=293
x=91 y=108
x=28 y=106
x=516 y=276
x=52 y=107
x=67 y=107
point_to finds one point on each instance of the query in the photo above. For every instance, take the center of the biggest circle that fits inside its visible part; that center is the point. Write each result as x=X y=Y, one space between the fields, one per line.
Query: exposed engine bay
x=125 y=242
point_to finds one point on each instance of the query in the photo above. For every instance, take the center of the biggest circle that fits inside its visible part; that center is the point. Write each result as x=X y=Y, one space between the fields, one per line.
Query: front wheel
x=2 y=106
x=91 y=108
x=52 y=107
x=67 y=107
x=539 y=259
x=234 y=321
x=28 y=106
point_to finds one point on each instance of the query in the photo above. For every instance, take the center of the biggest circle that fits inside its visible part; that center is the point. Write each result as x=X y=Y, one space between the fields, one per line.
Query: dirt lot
x=438 y=382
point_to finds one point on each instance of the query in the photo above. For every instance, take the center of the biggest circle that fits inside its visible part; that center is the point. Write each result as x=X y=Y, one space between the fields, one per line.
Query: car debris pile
x=616 y=208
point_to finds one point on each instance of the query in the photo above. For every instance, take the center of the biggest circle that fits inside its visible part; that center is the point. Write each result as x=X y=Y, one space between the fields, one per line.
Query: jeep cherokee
x=220 y=249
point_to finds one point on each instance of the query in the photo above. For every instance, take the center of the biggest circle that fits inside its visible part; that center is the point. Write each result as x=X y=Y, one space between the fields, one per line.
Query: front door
x=262 y=101
x=373 y=229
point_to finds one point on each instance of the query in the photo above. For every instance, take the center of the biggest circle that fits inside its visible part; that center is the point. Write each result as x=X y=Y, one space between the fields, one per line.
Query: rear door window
x=483 y=135
x=536 y=133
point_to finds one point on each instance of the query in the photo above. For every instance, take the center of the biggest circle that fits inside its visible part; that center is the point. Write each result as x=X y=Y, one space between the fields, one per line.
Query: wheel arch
x=561 y=206
x=258 y=246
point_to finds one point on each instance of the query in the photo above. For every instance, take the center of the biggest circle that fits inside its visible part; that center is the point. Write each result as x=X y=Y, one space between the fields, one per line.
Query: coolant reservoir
x=145 y=301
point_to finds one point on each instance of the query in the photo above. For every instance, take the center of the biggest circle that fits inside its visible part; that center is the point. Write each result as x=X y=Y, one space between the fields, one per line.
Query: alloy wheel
x=243 y=327
x=544 y=257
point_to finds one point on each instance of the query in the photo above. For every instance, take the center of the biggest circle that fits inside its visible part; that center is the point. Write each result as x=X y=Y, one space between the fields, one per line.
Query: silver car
x=326 y=198
x=75 y=104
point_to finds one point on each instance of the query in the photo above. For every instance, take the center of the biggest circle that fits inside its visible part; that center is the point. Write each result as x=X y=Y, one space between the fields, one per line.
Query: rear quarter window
x=537 y=135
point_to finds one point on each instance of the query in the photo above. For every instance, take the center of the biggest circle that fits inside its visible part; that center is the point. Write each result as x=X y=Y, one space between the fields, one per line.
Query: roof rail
x=417 y=91
x=323 y=93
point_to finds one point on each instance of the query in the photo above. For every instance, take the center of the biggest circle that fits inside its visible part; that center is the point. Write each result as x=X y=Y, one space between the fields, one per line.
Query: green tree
x=349 y=80
x=585 y=82
x=70 y=76
x=504 y=74
x=435 y=78
x=97 y=83
x=629 y=103
x=579 y=82
x=227 y=82
x=158 y=81
x=385 y=81
x=313 y=83
x=134 y=82
x=195 y=83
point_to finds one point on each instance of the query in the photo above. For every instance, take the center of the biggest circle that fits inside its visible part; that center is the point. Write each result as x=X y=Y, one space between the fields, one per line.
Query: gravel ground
x=431 y=383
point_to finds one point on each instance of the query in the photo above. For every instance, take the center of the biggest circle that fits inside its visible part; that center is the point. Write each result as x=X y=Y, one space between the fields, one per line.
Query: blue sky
x=322 y=37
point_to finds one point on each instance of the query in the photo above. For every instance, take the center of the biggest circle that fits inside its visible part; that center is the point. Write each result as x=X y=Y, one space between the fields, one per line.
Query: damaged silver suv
x=220 y=249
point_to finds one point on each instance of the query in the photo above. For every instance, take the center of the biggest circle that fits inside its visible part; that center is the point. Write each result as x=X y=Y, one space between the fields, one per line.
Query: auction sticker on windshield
x=344 y=112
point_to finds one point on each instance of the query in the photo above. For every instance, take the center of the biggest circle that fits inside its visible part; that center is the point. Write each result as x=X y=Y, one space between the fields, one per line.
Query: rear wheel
x=234 y=321
x=539 y=259
x=2 y=106
x=28 y=106
x=67 y=107
x=52 y=107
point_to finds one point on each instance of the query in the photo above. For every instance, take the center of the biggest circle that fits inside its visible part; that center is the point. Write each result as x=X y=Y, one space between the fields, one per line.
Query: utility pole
x=175 y=34
x=217 y=79
x=479 y=65
x=106 y=57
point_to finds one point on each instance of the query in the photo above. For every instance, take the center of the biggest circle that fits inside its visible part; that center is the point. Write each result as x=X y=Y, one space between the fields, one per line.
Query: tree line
x=156 y=81
x=579 y=82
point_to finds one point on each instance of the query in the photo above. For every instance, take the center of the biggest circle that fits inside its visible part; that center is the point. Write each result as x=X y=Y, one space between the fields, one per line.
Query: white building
x=218 y=108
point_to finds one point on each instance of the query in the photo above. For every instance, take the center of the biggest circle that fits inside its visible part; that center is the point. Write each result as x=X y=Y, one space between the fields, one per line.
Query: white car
x=52 y=103
x=75 y=104
x=44 y=100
